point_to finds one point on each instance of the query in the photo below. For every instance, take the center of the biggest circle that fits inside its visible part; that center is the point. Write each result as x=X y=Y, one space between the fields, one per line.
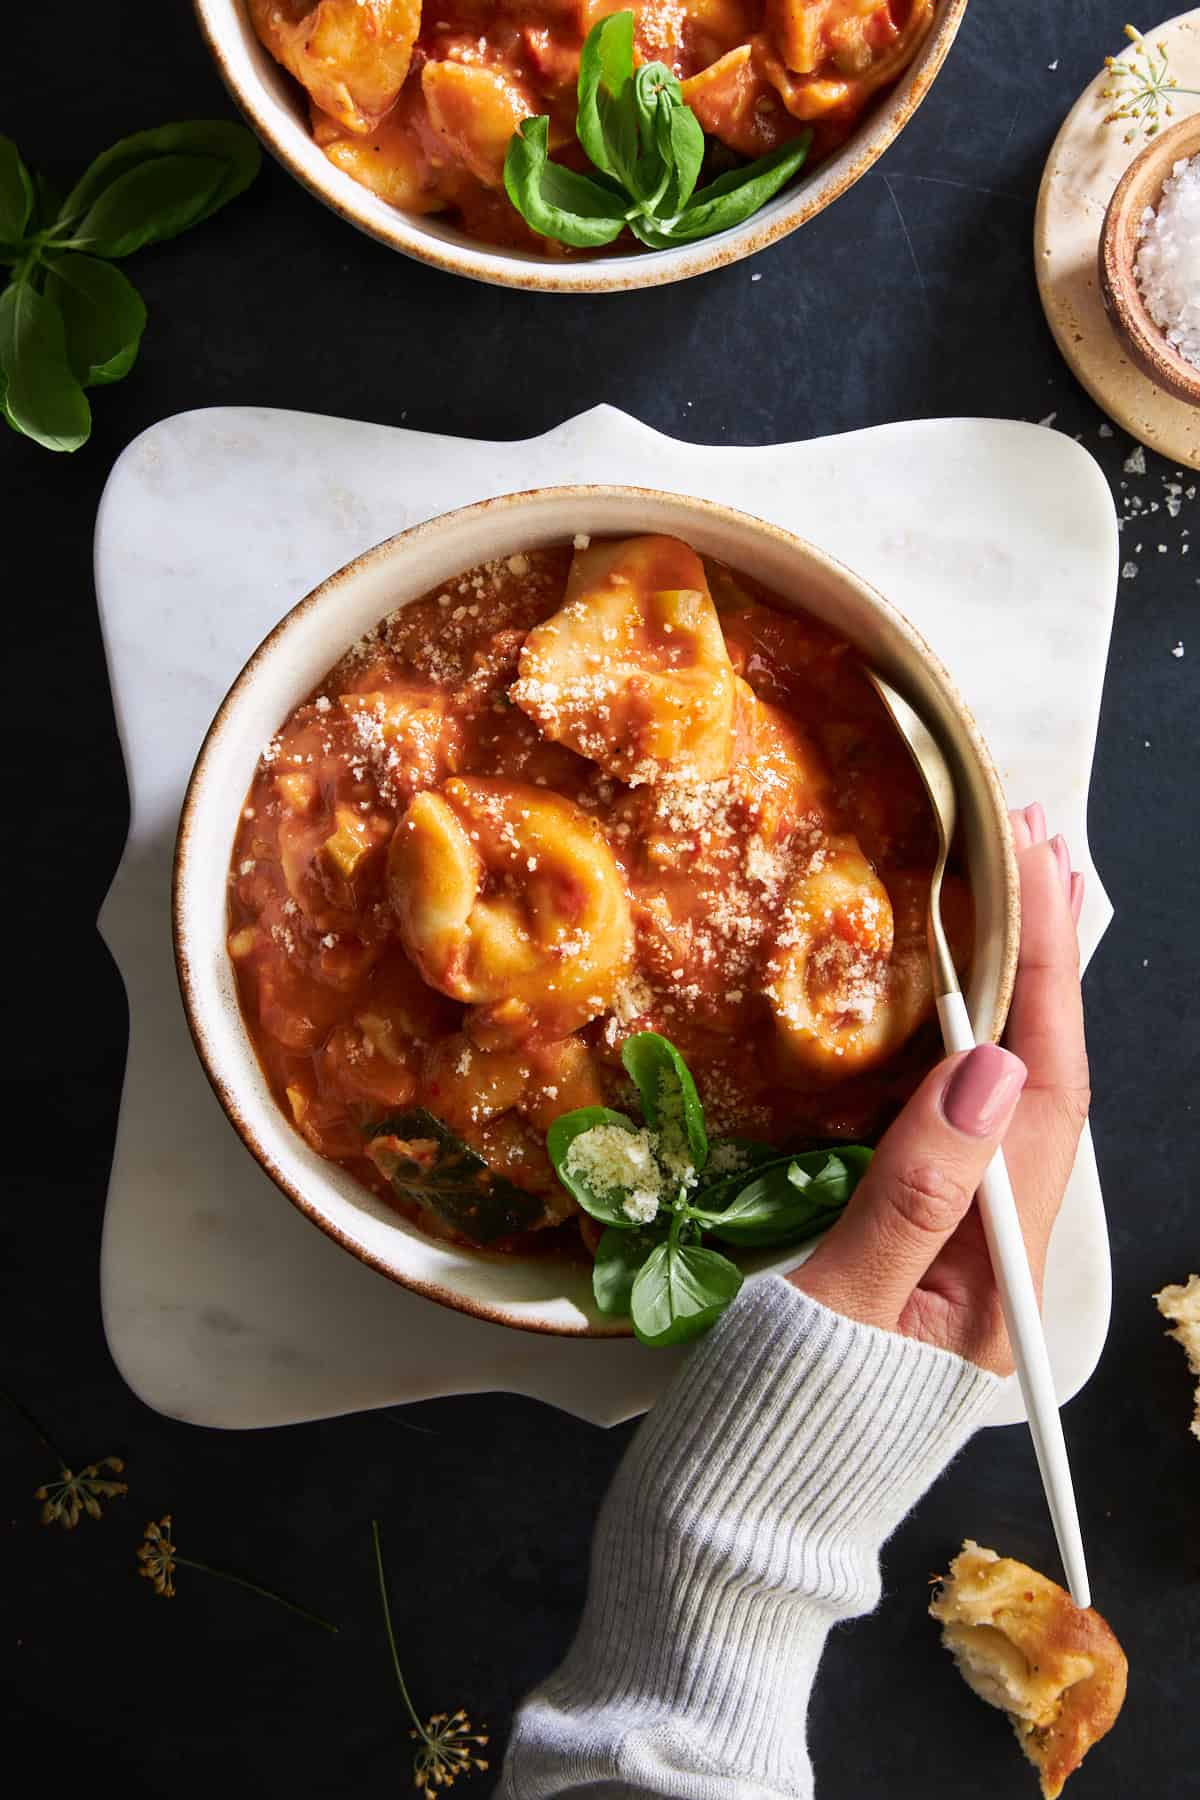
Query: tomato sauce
x=361 y=1002
x=419 y=102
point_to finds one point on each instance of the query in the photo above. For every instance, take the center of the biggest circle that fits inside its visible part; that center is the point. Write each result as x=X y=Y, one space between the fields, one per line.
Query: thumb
x=918 y=1189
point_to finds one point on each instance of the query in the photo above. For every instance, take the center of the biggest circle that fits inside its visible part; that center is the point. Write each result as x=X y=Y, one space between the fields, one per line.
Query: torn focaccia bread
x=1022 y=1644
x=1182 y=1306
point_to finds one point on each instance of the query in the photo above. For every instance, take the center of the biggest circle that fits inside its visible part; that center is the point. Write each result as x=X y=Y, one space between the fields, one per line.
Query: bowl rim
x=443 y=525
x=1119 y=288
x=403 y=232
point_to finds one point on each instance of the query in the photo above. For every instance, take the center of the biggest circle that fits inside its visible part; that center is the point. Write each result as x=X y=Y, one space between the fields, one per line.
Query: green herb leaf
x=102 y=313
x=729 y=200
x=40 y=395
x=680 y=1290
x=603 y=1205
x=619 y=1256
x=430 y=1167
x=686 y=155
x=16 y=193
x=179 y=199
x=669 y=1098
x=555 y=201
x=156 y=200
x=606 y=122
x=657 y=96
x=787 y=1200
x=47 y=202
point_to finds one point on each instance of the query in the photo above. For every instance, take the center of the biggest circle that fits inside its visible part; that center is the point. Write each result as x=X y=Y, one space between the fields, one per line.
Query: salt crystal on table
x=1168 y=259
x=1135 y=462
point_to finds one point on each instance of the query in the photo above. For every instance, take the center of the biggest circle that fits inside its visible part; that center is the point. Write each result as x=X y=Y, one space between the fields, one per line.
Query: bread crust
x=1022 y=1644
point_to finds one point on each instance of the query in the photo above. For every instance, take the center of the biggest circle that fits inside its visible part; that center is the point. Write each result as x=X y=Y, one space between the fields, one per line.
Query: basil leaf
x=669 y=1098
x=686 y=155
x=606 y=122
x=830 y=1176
x=47 y=202
x=153 y=201
x=733 y=197
x=430 y=1167
x=102 y=313
x=656 y=95
x=16 y=193
x=604 y=1205
x=41 y=397
x=619 y=1256
x=715 y=1191
x=680 y=1290
x=231 y=148
x=556 y=201
x=787 y=1200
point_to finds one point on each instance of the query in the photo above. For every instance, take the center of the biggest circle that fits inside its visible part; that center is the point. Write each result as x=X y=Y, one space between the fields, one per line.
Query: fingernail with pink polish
x=1062 y=857
x=983 y=1090
x=1036 y=816
x=1076 y=897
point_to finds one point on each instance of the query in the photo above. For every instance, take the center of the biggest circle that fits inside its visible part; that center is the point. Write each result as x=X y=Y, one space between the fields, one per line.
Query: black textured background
x=912 y=296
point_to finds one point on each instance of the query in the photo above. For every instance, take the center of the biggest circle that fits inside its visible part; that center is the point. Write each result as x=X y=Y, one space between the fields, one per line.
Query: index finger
x=1045 y=1029
x=1045 y=1021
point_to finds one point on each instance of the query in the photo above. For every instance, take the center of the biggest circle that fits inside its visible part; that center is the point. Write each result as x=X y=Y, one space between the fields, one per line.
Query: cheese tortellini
x=351 y=55
x=509 y=899
x=632 y=670
x=850 y=978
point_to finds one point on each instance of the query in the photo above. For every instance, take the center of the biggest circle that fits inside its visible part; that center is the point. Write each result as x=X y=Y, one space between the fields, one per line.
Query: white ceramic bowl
x=544 y=1294
x=272 y=103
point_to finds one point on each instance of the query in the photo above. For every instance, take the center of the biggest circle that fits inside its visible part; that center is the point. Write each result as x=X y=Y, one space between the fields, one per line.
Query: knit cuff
x=747 y=1517
x=789 y=1410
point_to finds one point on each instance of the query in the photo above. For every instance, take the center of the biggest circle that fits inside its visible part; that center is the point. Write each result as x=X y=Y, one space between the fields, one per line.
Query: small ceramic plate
x=1088 y=159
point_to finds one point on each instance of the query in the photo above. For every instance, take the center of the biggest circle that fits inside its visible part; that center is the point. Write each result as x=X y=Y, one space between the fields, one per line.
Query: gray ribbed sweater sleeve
x=746 y=1519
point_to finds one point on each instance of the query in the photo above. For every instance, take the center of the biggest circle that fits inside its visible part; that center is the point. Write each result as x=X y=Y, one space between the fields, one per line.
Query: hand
x=909 y=1253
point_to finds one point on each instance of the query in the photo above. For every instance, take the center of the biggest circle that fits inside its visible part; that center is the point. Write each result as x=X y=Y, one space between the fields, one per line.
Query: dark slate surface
x=913 y=296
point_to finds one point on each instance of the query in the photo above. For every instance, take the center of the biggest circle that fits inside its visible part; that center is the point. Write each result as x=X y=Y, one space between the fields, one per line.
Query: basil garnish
x=68 y=320
x=646 y=148
x=651 y=1262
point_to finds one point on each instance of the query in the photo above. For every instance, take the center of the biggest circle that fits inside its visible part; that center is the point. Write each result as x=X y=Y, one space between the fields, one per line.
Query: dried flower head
x=447 y=1745
x=64 y=1501
x=157 y=1556
x=1142 y=86
x=448 y=1749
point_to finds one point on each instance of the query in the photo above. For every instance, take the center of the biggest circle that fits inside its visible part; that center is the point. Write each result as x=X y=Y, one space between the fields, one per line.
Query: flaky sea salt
x=1168 y=259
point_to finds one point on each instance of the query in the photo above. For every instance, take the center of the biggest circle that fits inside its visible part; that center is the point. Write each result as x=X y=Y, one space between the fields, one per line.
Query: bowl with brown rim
x=1140 y=187
x=535 y=1293
x=274 y=106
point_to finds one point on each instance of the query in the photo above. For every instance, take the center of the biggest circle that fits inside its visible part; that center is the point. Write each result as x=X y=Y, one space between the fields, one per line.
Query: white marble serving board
x=222 y=1305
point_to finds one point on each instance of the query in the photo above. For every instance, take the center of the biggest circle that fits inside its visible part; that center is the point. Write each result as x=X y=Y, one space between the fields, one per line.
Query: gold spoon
x=997 y=1207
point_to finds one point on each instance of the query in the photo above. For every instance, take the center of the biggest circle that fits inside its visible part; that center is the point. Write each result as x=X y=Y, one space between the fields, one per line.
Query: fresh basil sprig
x=69 y=320
x=658 y=1271
x=646 y=147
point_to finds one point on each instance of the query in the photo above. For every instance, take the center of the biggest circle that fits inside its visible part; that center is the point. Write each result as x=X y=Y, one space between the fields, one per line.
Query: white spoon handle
x=1010 y=1264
